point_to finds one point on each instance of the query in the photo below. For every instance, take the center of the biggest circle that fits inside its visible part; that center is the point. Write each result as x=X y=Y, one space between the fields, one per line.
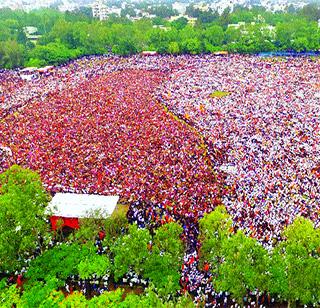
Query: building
x=161 y=27
x=180 y=7
x=114 y=10
x=203 y=7
x=32 y=34
x=67 y=6
x=191 y=20
x=238 y=25
x=69 y=208
x=99 y=10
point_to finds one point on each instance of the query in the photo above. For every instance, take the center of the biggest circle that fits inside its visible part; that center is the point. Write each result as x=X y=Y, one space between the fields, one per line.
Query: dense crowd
x=97 y=125
x=18 y=88
x=100 y=130
x=264 y=133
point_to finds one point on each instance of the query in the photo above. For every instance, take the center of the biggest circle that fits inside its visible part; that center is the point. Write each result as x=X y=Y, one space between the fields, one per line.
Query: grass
x=120 y=210
x=219 y=94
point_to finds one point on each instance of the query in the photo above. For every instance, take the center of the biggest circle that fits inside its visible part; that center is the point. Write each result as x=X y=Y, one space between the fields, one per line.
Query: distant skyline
x=70 y=5
x=88 y=2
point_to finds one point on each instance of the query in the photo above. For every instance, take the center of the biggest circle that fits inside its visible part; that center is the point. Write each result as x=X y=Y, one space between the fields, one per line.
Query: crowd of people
x=17 y=91
x=242 y=130
x=100 y=130
x=263 y=133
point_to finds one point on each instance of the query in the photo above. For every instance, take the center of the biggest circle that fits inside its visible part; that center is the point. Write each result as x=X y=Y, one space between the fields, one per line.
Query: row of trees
x=47 y=296
x=310 y=12
x=25 y=237
x=238 y=263
x=68 y=35
x=160 y=263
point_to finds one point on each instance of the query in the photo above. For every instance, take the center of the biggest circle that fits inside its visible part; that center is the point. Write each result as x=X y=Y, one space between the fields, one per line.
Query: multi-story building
x=99 y=10
x=180 y=7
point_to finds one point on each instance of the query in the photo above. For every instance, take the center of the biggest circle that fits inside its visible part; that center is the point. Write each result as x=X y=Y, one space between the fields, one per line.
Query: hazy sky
x=84 y=2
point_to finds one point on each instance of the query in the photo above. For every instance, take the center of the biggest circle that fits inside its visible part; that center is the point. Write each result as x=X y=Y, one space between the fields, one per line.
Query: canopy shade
x=82 y=205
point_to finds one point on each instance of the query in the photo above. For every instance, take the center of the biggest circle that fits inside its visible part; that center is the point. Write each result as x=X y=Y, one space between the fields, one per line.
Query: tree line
x=65 y=36
x=290 y=271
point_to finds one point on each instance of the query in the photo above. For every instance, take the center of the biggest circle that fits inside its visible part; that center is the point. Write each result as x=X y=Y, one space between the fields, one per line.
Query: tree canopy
x=238 y=263
x=22 y=216
x=65 y=36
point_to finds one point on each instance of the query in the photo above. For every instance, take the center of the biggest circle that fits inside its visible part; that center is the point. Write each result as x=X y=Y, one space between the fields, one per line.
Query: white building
x=191 y=20
x=67 y=6
x=180 y=7
x=221 y=5
x=238 y=25
x=203 y=7
x=114 y=10
x=99 y=10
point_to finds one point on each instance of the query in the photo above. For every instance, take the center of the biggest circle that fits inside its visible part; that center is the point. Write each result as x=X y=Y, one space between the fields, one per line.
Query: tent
x=28 y=73
x=28 y=70
x=70 y=207
x=45 y=69
x=221 y=53
x=149 y=53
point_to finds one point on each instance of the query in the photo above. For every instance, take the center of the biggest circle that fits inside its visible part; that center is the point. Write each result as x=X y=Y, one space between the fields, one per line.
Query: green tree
x=108 y=299
x=124 y=47
x=11 y=54
x=94 y=264
x=232 y=36
x=53 y=299
x=300 y=44
x=53 y=53
x=284 y=36
x=115 y=225
x=295 y=270
x=262 y=37
x=215 y=228
x=215 y=35
x=163 y=10
x=311 y=11
x=173 y=48
x=224 y=19
x=180 y=23
x=90 y=227
x=131 y=251
x=36 y=294
x=93 y=38
x=149 y=299
x=244 y=267
x=128 y=10
x=9 y=295
x=158 y=40
x=162 y=266
x=22 y=217
x=74 y=300
x=64 y=32
x=59 y=262
x=192 y=46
